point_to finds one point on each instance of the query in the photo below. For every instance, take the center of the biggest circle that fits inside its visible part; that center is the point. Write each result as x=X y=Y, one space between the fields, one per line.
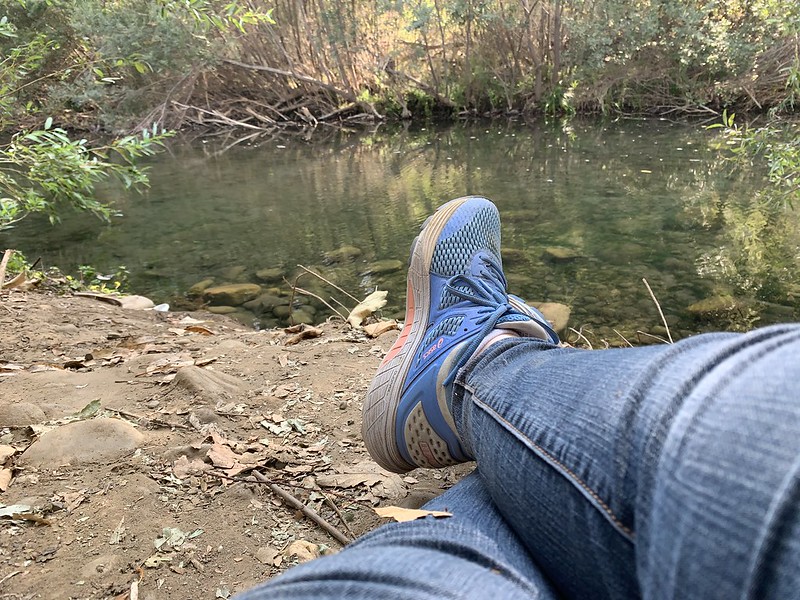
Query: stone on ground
x=92 y=441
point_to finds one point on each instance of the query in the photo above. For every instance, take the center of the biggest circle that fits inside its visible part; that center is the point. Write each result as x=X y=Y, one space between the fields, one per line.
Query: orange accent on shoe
x=406 y=329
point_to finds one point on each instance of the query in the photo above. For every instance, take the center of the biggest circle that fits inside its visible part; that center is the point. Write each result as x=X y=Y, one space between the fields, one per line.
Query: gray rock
x=558 y=314
x=234 y=294
x=92 y=441
x=21 y=414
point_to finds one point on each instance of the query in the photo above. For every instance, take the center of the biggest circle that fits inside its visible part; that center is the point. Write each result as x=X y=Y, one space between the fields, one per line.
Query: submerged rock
x=513 y=256
x=282 y=311
x=561 y=254
x=301 y=315
x=198 y=288
x=264 y=303
x=234 y=273
x=273 y=275
x=383 y=267
x=343 y=254
x=713 y=305
x=234 y=294
x=222 y=310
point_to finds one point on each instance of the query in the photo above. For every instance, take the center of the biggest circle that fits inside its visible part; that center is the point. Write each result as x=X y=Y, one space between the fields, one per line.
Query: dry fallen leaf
x=199 y=329
x=366 y=307
x=222 y=456
x=269 y=556
x=382 y=483
x=306 y=332
x=401 y=514
x=5 y=479
x=379 y=328
x=6 y=452
x=184 y=467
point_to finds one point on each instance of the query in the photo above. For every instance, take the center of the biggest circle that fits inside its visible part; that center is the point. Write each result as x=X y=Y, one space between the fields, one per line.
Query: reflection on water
x=589 y=210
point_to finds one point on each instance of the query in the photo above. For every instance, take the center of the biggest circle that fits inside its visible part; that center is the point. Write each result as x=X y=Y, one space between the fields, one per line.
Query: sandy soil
x=137 y=449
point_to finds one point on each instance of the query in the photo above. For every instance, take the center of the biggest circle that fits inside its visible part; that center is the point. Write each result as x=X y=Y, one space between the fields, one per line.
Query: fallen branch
x=306 y=79
x=308 y=512
x=220 y=118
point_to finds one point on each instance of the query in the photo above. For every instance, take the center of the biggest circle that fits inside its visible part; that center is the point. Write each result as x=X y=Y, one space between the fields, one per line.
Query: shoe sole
x=379 y=414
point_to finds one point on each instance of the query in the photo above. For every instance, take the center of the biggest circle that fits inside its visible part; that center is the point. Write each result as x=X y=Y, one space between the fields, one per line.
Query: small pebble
x=343 y=405
x=152 y=404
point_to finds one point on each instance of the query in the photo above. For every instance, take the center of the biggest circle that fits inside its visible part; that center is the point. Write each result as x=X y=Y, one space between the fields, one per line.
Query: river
x=589 y=210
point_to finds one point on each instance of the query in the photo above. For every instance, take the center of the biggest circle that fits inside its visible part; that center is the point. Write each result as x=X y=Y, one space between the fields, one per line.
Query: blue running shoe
x=456 y=298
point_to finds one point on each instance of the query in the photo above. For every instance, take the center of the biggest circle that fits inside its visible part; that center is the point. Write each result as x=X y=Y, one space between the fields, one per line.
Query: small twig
x=339 y=514
x=9 y=576
x=3 y=264
x=291 y=298
x=308 y=512
x=582 y=337
x=340 y=304
x=658 y=306
x=313 y=295
x=330 y=283
x=624 y=339
x=655 y=337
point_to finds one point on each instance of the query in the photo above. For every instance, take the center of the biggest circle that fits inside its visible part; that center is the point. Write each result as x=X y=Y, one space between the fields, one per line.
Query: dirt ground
x=139 y=451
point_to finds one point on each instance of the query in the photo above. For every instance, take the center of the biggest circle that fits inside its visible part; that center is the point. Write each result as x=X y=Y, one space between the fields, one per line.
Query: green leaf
x=90 y=410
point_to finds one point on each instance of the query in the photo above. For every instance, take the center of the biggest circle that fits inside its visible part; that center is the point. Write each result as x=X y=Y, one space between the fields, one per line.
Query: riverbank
x=138 y=448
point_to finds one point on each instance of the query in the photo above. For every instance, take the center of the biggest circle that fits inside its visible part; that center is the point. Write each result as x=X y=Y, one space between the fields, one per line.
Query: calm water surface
x=589 y=210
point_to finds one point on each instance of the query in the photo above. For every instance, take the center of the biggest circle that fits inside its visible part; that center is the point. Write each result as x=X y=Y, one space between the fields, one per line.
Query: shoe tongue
x=524 y=327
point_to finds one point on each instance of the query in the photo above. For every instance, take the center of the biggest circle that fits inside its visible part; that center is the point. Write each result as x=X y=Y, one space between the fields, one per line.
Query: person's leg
x=471 y=555
x=666 y=471
x=669 y=471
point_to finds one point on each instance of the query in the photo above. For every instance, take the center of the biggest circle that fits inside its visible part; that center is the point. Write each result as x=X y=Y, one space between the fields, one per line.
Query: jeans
x=653 y=472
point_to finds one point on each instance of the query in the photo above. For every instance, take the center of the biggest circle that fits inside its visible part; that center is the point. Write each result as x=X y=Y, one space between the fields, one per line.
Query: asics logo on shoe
x=433 y=348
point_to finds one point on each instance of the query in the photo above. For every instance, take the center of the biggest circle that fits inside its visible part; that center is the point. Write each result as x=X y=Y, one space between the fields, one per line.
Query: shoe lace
x=488 y=291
